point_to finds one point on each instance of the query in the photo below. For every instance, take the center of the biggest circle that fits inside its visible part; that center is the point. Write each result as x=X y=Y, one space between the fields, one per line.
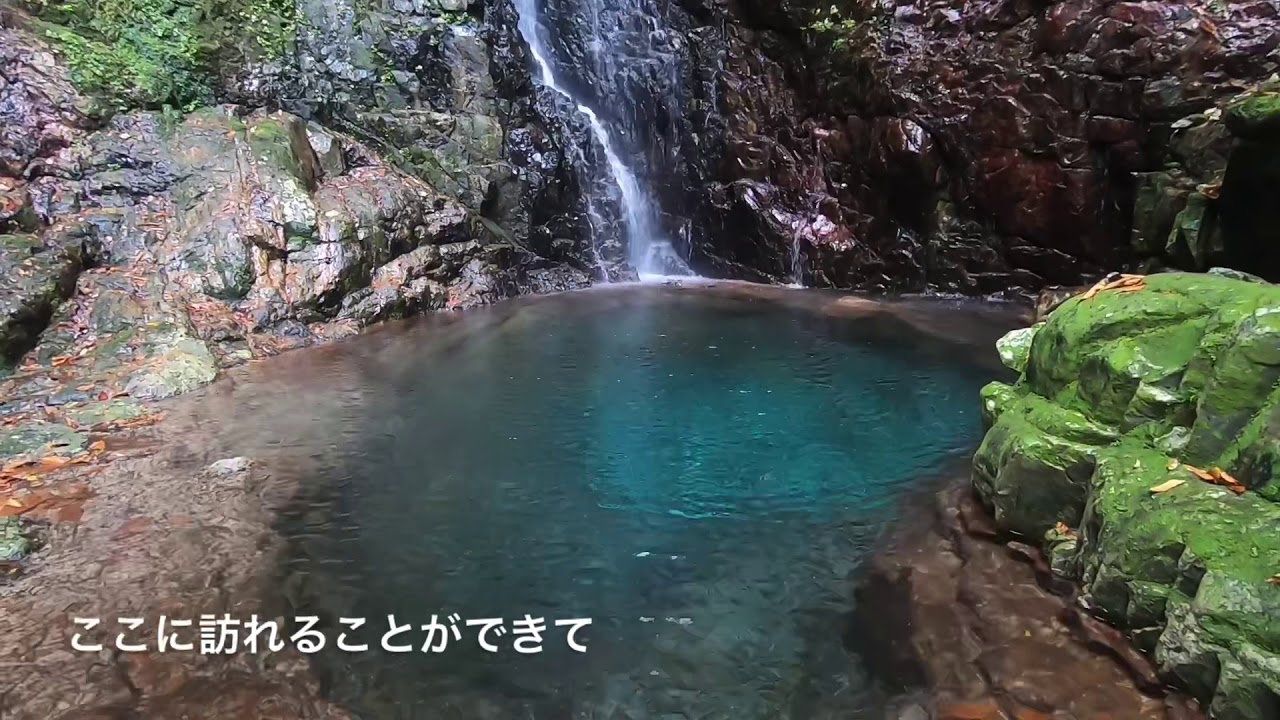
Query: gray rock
x=34 y=438
x=229 y=467
x=328 y=150
x=13 y=544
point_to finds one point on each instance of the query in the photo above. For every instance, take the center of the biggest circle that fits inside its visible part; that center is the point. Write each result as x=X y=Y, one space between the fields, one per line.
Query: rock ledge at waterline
x=1118 y=395
x=141 y=254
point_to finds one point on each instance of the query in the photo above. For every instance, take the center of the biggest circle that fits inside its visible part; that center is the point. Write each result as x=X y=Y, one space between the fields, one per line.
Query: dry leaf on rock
x=1218 y=476
x=1202 y=474
x=1167 y=486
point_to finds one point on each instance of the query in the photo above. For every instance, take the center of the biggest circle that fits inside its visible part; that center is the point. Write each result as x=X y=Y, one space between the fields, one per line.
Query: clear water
x=699 y=475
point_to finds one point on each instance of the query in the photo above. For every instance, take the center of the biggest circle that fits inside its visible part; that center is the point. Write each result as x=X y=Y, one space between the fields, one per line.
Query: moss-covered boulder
x=1122 y=397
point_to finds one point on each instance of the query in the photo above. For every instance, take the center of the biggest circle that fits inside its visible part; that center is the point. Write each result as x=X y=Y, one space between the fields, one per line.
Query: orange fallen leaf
x=1218 y=476
x=13 y=502
x=98 y=446
x=1118 y=283
x=1063 y=529
x=1211 y=190
x=1273 y=580
x=52 y=462
x=1167 y=486
x=61 y=360
x=1202 y=474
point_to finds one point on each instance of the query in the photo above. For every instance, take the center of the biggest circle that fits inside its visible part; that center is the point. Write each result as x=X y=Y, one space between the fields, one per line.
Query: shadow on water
x=699 y=472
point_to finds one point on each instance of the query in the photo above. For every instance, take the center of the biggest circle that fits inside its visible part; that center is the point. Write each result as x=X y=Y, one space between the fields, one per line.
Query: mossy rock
x=1179 y=322
x=1255 y=117
x=35 y=438
x=1120 y=392
x=13 y=544
x=1033 y=466
x=996 y=397
x=1015 y=346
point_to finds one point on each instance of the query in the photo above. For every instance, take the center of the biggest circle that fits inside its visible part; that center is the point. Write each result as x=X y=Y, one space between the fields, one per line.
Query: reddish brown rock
x=976 y=135
x=951 y=609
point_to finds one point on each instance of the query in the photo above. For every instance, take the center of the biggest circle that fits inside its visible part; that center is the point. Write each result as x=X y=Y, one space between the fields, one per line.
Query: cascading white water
x=647 y=250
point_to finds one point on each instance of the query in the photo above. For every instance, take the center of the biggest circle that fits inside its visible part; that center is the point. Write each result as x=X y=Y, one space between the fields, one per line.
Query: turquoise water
x=698 y=475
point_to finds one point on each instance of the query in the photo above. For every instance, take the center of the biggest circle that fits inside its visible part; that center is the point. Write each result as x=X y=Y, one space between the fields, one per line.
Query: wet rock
x=1012 y=131
x=34 y=278
x=229 y=466
x=34 y=438
x=181 y=367
x=106 y=413
x=13 y=544
x=40 y=110
x=1119 y=391
x=328 y=150
x=958 y=616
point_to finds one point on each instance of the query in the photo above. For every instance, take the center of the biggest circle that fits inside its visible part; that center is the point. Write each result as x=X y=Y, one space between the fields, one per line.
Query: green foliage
x=455 y=17
x=834 y=25
x=130 y=52
x=161 y=53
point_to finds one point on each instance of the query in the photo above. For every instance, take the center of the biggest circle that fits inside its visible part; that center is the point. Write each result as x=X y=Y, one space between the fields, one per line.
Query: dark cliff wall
x=962 y=146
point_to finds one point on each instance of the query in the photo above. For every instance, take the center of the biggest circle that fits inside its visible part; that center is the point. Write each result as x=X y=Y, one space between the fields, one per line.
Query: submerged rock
x=13 y=544
x=949 y=608
x=34 y=438
x=1123 y=393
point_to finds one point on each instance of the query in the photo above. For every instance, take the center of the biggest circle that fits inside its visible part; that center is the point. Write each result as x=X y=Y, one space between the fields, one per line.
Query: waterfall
x=648 y=251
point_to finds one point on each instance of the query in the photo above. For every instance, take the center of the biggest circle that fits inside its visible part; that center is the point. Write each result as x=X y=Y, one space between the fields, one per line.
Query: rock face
x=962 y=146
x=1122 y=398
x=1215 y=205
x=213 y=236
x=873 y=144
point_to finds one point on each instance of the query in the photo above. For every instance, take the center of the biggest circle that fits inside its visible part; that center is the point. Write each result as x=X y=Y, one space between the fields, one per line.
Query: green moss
x=272 y=141
x=161 y=53
x=1255 y=116
x=1034 y=464
x=834 y=25
x=1126 y=388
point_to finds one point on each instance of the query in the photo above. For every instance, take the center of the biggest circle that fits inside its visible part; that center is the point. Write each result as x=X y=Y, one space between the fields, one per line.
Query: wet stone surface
x=984 y=625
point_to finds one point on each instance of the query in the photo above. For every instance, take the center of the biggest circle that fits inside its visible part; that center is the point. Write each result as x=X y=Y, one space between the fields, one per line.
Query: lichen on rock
x=1122 y=393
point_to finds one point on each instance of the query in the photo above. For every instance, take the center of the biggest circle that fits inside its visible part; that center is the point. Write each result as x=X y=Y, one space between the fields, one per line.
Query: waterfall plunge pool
x=698 y=471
